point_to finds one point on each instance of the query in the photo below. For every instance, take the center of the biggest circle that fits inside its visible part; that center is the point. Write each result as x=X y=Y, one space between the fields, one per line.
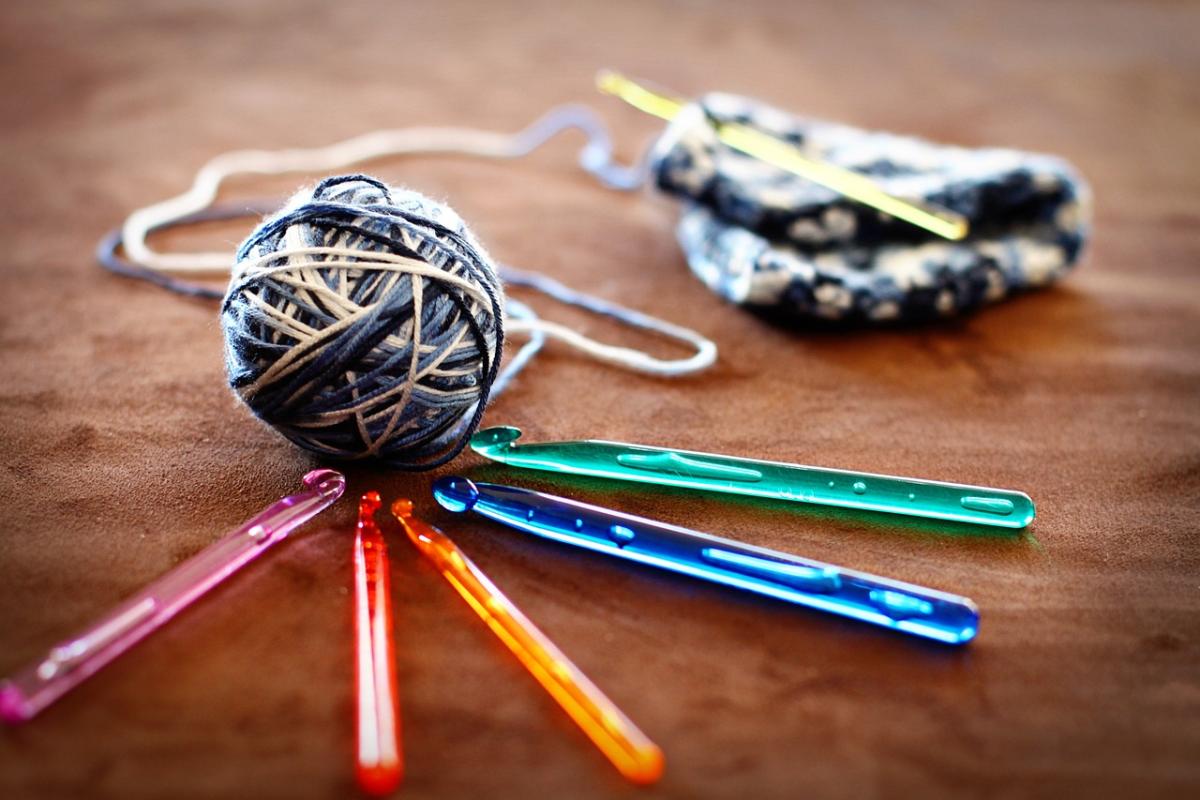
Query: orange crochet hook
x=379 y=767
x=630 y=750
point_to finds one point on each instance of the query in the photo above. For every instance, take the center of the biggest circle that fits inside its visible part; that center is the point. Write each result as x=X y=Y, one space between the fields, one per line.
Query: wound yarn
x=365 y=321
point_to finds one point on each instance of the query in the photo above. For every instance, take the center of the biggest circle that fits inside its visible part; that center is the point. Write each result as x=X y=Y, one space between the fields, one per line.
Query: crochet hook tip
x=608 y=80
x=328 y=482
x=655 y=103
x=368 y=504
x=494 y=442
x=455 y=494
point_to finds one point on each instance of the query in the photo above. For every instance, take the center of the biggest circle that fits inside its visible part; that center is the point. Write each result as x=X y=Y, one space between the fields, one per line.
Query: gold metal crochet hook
x=941 y=221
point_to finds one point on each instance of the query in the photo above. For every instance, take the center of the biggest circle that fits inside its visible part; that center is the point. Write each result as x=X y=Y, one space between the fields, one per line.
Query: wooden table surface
x=124 y=452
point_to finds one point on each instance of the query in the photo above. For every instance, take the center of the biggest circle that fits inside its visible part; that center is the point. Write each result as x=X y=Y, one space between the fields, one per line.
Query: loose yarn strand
x=196 y=205
x=628 y=358
x=596 y=158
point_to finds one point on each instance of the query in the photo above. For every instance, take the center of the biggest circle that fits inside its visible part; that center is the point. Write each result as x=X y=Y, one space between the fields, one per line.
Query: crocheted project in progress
x=767 y=239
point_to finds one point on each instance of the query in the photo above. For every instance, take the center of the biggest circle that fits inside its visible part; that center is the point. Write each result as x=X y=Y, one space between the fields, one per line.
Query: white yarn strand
x=596 y=158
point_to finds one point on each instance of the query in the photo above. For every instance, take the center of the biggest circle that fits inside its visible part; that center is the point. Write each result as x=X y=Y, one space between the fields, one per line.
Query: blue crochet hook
x=891 y=604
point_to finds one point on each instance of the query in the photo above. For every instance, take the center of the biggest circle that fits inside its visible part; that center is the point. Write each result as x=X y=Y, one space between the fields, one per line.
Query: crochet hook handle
x=865 y=491
x=379 y=763
x=903 y=607
x=617 y=737
x=73 y=660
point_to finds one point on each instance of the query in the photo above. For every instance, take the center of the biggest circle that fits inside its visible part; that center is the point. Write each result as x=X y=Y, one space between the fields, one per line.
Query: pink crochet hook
x=70 y=662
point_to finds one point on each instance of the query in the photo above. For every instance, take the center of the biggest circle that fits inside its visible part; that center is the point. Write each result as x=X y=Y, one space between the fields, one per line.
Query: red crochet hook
x=379 y=766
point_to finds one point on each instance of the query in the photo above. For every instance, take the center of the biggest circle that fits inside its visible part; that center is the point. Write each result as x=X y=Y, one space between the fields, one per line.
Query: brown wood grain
x=124 y=452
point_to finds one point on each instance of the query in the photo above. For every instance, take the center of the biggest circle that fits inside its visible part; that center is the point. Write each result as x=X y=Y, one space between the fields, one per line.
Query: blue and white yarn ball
x=364 y=321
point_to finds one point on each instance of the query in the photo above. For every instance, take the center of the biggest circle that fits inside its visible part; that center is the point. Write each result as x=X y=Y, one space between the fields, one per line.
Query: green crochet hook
x=717 y=473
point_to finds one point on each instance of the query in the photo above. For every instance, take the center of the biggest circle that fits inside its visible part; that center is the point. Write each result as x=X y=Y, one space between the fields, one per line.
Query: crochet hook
x=379 y=765
x=772 y=479
x=753 y=142
x=903 y=607
x=73 y=660
x=618 y=738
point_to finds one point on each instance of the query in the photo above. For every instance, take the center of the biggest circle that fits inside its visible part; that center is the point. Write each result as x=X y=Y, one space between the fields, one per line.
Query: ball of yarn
x=365 y=321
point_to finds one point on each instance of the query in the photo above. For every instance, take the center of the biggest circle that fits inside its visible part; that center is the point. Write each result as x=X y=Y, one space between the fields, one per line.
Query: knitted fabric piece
x=765 y=238
x=365 y=321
